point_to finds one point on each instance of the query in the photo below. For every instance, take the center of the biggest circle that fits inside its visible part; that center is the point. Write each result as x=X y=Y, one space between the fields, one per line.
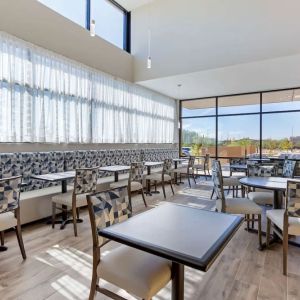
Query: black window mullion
x=217 y=124
x=127 y=32
x=260 y=127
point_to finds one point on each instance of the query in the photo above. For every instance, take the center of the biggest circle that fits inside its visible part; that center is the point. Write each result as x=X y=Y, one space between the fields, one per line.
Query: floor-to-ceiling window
x=252 y=124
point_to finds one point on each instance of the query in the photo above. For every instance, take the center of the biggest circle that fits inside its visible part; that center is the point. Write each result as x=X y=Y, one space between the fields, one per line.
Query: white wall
x=204 y=36
x=35 y=23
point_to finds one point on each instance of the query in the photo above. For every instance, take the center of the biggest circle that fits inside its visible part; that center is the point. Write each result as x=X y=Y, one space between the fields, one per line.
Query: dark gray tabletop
x=55 y=176
x=180 y=159
x=268 y=183
x=116 y=168
x=153 y=163
x=237 y=166
x=182 y=234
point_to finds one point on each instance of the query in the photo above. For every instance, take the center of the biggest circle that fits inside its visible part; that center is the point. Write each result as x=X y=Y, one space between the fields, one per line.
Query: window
x=238 y=136
x=239 y=104
x=73 y=10
x=202 y=107
x=47 y=98
x=199 y=135
x=285 y=138
x=109 y=21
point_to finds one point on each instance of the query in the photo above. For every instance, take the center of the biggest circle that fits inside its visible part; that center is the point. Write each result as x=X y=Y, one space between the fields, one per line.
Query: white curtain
x=45 y=97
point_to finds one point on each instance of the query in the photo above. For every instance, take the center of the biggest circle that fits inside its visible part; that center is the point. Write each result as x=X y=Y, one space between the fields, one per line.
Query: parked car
x=186 y=151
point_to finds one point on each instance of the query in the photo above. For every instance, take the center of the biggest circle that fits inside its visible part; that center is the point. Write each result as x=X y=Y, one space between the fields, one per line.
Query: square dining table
x=184 y=235
x=115 y=169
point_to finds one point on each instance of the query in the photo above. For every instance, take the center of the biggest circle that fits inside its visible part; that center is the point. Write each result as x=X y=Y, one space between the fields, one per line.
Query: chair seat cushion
x=138 y=272
x=135 y=186
x=240 y=206
x=276 y=216
x=66 y=199
x=158 y=177
x=262 y=198
x=231 y=181
x=7 y=220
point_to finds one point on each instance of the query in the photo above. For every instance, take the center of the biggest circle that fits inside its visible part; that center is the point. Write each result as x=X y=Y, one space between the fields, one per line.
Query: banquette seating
x=36 y=196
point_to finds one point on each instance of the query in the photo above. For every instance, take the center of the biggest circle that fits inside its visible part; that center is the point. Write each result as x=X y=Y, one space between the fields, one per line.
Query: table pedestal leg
x=3 y=248
x=116 y=176
x=177 y=281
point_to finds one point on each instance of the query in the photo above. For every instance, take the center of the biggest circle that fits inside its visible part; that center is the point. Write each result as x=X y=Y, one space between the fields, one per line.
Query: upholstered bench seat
x=135 y=186
x=66 y=199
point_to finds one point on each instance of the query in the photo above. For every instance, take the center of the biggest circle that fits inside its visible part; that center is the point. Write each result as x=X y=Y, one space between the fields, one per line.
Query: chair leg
x=268 y=232
x=189 y=180
x=74 y=220
x=194 y=179
x=144 y=199
x=259 y=231
x=20 y=240
x=247 y=217
x=2 y=238
x=53 y=214
x=94 y=284
x=252 y=223
x=285 y=240
x=212 y=193
x=163 y=188
x=171 y=186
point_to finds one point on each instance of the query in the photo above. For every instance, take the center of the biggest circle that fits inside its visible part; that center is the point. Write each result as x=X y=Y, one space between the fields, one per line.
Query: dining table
x=115 y=169
x=179 y=234
x=149 y=165
x=278 y=186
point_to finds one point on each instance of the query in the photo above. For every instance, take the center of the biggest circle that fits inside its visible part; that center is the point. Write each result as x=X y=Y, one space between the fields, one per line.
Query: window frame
x=261 y=113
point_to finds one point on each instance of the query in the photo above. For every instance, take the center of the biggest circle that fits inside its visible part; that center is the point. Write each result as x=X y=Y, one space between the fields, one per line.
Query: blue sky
x=109 y=19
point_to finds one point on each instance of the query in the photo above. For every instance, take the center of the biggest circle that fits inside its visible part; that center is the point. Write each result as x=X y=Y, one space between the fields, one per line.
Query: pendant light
x=92 y=28
x=149 y=61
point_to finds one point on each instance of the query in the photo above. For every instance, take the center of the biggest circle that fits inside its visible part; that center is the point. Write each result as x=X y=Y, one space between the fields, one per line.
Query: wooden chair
x=85 y=182
x=139 y=273
x=204 y=166
x=134 y=182
x=10 y=208
x=242 y=206
x=188 y=170
x=163 y=177
x=286 y=221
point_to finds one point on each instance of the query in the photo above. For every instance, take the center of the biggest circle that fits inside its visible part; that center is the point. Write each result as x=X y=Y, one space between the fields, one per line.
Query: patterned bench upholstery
x=29 y=163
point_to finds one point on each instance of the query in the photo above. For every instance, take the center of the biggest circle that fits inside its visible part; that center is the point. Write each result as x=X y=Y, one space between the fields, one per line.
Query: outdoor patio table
x=115 y=170
x=184 y=235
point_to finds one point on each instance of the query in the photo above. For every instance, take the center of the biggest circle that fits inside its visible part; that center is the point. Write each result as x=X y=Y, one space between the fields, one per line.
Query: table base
x=3 y=248
x=178 y=281
x=64 y=222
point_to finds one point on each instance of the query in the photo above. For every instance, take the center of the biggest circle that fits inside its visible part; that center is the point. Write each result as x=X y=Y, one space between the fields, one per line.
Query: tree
x=286 y=144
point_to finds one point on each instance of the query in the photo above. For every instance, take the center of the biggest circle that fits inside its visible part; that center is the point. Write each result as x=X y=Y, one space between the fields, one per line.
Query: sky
x=275 y=126
x=109 y=19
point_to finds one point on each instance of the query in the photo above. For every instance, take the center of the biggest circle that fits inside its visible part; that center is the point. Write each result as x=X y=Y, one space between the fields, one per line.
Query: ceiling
x=214 y=47
x=133 y=4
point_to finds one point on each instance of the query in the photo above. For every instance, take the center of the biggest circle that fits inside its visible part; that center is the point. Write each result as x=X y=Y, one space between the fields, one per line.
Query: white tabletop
x=115 y=168
x=55 y=176
x=153 y=163
x=180 y=159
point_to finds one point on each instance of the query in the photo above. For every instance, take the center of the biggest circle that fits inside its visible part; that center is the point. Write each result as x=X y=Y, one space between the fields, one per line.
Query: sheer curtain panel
x=45 y=97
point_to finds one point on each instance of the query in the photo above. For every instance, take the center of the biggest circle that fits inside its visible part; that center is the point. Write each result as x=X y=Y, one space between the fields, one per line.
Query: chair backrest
x=289 y=168
x=260 y=171
x=292 y=201
x=136 y=171
x=10 y=193
x=217 y=179
x=167 y=166
x=237 y=161
x=191 y=162
x=86 y=180
x=107 y=208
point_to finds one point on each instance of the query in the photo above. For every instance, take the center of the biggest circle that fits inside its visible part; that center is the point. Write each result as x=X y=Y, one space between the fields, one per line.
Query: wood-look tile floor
x=59 y=265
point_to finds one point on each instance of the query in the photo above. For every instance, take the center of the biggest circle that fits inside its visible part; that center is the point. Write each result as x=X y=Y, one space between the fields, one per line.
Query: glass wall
x=255 y=124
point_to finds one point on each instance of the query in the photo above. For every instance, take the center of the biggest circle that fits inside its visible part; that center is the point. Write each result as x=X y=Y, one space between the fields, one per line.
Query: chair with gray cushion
x=187 y=170
x=134 y=182
x=164 y=177
x=10 y=208
x=203 y=166
x=85 y=182
x=139 y=273
x=242 y=206
x=286 y=221
x=261 y=196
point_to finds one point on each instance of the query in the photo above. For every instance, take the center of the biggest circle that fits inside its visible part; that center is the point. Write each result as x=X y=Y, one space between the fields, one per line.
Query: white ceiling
x=132 y=4
x=213 y=46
